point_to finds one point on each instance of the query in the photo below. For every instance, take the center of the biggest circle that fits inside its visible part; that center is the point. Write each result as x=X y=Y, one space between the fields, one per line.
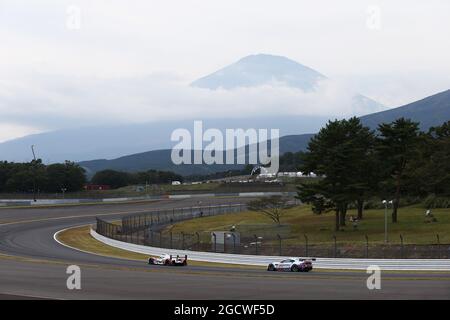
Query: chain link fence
x=150 y=229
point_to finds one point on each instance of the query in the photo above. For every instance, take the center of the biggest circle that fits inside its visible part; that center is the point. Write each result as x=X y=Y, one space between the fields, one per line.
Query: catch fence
x=153 y=229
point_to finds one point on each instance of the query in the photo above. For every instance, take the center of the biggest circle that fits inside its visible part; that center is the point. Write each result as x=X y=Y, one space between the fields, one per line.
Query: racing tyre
x=167 y=263
x=295 y=268
x=271 y=267
x=150 y=261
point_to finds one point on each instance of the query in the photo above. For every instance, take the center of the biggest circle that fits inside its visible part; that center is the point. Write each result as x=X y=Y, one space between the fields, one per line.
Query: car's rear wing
x=305 y=259
x=178 y=257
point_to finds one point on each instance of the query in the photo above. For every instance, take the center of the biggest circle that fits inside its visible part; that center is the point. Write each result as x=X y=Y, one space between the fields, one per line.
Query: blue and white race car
x=292 y=264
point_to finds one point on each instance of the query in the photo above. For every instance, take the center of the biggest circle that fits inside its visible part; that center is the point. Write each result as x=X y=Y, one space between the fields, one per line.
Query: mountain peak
x=262 y=69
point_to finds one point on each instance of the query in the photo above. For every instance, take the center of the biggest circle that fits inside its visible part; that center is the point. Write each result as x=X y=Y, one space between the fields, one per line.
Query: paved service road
x=33 y=265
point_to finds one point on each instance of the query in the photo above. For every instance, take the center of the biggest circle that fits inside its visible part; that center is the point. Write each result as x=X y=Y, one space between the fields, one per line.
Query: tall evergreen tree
x=339 y=153
x=397 y=146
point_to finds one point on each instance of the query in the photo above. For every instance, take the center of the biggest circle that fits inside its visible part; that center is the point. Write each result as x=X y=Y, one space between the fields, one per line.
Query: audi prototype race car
x=168 y=260
x=292 y=264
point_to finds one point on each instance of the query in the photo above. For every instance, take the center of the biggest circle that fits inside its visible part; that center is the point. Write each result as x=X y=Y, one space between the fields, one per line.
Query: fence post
x=215 y=242
x=198 y=240
x=131 y=236
x=171 y=240
x=256 y=244
x=439 y=245
x=306 y=245
x=279 y=239
x=367 y=246
x=234 y=242
x=401 y=246
x=335 y=246
x=225 y=242
x=198 y=237
x=182 y=240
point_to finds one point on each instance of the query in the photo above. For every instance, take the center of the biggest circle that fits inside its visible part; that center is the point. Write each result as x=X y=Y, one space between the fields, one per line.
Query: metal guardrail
x=149 y=229
x=138 y=222
x=320 y=263
x=30 y=202
x=140 y=226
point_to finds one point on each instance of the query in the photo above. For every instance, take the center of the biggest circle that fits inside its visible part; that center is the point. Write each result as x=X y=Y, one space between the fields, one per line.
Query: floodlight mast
x=385 y=202
x=34 y=172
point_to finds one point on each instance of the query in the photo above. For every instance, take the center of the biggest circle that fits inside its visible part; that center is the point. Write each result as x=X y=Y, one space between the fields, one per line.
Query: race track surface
x=33 y=266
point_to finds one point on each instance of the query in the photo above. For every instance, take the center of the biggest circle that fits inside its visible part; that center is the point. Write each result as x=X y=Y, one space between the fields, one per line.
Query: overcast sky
x=125 y=61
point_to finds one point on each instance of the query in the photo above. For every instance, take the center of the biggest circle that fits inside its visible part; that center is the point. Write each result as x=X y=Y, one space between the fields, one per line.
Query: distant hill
x=89 y=143
x=161 y=160
x=266 y=69
x=430 y=111
x=109 y=142
x=261 y=69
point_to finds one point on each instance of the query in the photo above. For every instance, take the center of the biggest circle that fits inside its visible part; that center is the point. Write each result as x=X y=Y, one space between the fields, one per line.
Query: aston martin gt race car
x=168 y=260
x=292 y=264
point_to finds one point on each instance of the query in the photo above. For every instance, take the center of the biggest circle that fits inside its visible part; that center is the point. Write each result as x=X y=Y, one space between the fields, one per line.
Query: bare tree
x=272 y=207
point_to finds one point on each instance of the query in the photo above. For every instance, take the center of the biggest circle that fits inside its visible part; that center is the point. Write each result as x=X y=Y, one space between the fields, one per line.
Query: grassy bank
x=320 y=228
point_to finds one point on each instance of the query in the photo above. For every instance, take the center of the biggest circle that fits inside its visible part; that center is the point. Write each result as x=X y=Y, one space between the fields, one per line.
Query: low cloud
x=48 y=102
x=13 y=130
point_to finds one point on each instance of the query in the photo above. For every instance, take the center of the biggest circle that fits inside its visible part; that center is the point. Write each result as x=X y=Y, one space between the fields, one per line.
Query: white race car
x=168 y=260
x=292 y=264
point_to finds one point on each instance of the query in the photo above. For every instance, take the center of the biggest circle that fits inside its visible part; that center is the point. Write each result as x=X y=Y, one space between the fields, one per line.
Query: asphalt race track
x=33 y=266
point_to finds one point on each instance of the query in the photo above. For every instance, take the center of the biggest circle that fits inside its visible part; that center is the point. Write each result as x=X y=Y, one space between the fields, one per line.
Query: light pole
x=385 y=202
x=64 y=192
x=34 y=173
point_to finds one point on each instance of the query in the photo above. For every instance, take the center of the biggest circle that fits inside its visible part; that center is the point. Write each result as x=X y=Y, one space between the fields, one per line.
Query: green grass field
x=320 y=228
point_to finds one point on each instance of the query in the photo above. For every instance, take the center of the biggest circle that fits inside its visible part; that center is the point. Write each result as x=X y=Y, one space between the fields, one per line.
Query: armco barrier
x=17 y=202
x=320 y=263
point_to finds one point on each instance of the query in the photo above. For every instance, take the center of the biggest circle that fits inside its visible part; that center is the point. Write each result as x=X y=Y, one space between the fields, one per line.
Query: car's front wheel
x=271 y=267
x=295 y=268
